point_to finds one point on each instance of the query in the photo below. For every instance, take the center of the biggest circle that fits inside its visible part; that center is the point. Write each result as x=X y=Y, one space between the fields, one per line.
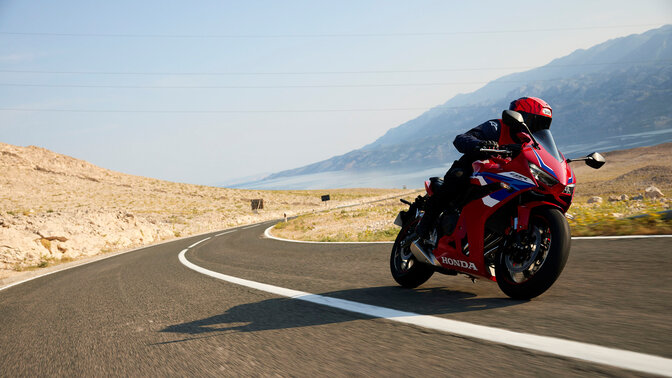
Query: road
x=145 y=313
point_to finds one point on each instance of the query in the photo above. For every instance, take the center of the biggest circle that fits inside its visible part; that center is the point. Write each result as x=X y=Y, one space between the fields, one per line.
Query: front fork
x=519 y=234
x=523 y=219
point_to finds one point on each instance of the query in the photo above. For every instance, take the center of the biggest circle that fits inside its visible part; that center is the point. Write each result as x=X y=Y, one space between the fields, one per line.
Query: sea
x=413 y=179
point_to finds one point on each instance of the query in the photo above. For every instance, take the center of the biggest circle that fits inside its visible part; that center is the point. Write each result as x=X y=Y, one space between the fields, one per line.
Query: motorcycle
x=511 y=228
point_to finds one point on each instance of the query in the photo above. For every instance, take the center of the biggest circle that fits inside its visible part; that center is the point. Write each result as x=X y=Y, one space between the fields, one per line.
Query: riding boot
x=454 y=181
x=428 y=219
x=424 y=227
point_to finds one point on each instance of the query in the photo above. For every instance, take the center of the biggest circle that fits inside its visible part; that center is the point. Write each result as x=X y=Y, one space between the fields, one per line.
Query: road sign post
x=257 y=204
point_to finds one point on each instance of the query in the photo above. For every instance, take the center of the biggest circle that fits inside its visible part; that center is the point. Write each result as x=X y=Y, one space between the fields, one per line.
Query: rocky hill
x=612 y=96
x=54 y=207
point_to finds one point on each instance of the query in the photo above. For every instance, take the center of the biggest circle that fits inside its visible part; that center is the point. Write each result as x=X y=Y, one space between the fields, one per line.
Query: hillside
x=611 y=96
x=54 y=207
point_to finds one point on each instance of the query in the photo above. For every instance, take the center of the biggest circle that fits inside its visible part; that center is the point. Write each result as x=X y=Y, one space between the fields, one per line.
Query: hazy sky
x=208 y=91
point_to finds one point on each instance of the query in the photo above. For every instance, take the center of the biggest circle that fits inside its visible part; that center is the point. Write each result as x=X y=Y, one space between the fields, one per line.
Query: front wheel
x=406 y=270
x=530 y=266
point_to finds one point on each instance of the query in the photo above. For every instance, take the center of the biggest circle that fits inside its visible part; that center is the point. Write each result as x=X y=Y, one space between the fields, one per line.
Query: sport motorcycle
x=510 y=227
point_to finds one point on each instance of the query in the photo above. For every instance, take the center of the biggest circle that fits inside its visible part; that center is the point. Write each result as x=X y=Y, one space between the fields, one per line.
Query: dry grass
x=641 y=217
x=369 y=222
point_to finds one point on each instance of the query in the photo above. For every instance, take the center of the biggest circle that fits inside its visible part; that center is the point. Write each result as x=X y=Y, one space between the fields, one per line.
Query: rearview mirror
x=512 y=118
x=595 y=160
x=516 y=120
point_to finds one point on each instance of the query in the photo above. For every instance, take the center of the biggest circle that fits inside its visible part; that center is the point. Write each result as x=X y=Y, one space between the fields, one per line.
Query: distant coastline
x=414 y=178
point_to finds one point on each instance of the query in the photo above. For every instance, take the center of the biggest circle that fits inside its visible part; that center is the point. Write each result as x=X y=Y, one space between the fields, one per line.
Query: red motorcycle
x=511 y=227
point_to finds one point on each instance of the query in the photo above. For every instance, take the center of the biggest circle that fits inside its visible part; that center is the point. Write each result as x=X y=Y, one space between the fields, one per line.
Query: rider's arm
x=469 y=141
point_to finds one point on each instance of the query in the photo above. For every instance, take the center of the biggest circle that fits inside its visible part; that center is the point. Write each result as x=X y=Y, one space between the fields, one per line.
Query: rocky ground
x=56 y=208
x=627 y=172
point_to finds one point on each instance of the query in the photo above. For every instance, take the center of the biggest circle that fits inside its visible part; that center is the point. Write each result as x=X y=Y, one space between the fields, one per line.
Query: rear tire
x=405 y=269
x=530 y=273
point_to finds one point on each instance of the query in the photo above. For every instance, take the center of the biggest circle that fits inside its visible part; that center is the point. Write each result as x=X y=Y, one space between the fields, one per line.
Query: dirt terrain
x=627 y=172
x=57 y=208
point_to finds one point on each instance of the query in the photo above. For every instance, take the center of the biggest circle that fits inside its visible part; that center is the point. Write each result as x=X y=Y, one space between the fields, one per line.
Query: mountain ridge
x=634 y=71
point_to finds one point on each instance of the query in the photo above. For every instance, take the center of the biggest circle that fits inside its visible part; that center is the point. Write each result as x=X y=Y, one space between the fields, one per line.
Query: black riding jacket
x=490 y=130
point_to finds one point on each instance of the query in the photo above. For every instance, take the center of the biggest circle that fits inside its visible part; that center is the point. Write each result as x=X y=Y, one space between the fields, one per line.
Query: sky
x=209 y=92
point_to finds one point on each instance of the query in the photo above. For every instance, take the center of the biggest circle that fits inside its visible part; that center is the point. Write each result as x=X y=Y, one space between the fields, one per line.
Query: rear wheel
x=530 y=266
x=406 y=270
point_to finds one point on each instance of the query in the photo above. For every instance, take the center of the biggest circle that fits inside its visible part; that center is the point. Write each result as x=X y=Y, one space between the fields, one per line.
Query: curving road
x=145 y=313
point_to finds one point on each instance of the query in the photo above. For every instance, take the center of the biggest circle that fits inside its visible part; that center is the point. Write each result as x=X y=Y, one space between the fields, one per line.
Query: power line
x=279 y=73
x=252 y=87
x=172 y=111
x=233 y=111
x=259 y=73
x=300 y=36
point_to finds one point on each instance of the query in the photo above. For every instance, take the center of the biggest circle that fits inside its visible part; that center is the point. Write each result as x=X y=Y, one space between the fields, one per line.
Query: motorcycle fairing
x=570 y=175
x=560 y=170
x=544 y=166
x=465 y=245
x=469 y=232
x=514 y=180
x=546 y=161
x=468 y=236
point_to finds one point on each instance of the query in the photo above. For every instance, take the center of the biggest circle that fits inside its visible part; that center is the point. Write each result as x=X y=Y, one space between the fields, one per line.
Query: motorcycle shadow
x=286 y=313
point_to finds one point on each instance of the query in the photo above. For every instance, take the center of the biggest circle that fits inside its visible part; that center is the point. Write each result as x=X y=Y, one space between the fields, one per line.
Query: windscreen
x=545 y=139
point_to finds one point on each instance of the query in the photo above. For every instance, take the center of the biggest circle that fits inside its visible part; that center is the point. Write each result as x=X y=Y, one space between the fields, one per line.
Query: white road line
x=620 y=237
x=248 y=227
x=587 y=352
x=224 y=233
x=268 y=235
x=198 y=242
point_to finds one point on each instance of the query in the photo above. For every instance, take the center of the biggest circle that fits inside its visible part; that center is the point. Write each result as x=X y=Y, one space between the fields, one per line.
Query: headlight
x=542 y=176
x=569 y=189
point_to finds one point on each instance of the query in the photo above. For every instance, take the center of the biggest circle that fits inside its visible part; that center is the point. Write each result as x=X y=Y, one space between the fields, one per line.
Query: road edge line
x=268 y=235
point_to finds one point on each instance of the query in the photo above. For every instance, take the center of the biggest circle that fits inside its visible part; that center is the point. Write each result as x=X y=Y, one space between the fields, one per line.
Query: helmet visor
x=536 y=122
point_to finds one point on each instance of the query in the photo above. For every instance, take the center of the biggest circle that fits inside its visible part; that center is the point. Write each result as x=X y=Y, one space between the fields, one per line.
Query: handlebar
x=496 y=151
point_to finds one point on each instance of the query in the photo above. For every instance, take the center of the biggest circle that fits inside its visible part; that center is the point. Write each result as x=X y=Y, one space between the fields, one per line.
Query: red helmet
x=536 y=112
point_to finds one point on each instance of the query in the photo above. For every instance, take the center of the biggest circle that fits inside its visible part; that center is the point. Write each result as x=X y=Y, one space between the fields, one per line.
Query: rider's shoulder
x=493 y=124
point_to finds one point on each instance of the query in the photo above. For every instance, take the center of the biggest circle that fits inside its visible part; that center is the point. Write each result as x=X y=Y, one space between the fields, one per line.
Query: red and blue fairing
x=537 y=176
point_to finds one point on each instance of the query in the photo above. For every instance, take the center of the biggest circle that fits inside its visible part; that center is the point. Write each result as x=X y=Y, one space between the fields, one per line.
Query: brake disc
x=521 y=261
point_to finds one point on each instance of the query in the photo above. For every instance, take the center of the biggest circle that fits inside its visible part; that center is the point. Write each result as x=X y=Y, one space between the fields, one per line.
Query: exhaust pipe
x=422 y=255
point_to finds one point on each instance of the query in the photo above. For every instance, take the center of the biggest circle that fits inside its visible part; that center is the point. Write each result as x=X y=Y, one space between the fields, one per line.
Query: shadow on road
x=284 y=313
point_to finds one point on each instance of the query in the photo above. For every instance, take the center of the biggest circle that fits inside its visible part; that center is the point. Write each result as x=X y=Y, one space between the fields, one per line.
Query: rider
x=491 y=134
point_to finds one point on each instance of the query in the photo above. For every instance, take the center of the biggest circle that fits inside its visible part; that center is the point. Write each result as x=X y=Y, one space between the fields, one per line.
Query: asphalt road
x=145 y=314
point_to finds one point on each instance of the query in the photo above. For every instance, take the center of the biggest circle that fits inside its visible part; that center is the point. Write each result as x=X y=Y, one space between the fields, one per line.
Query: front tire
x=529 y=270
x=405 y=269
